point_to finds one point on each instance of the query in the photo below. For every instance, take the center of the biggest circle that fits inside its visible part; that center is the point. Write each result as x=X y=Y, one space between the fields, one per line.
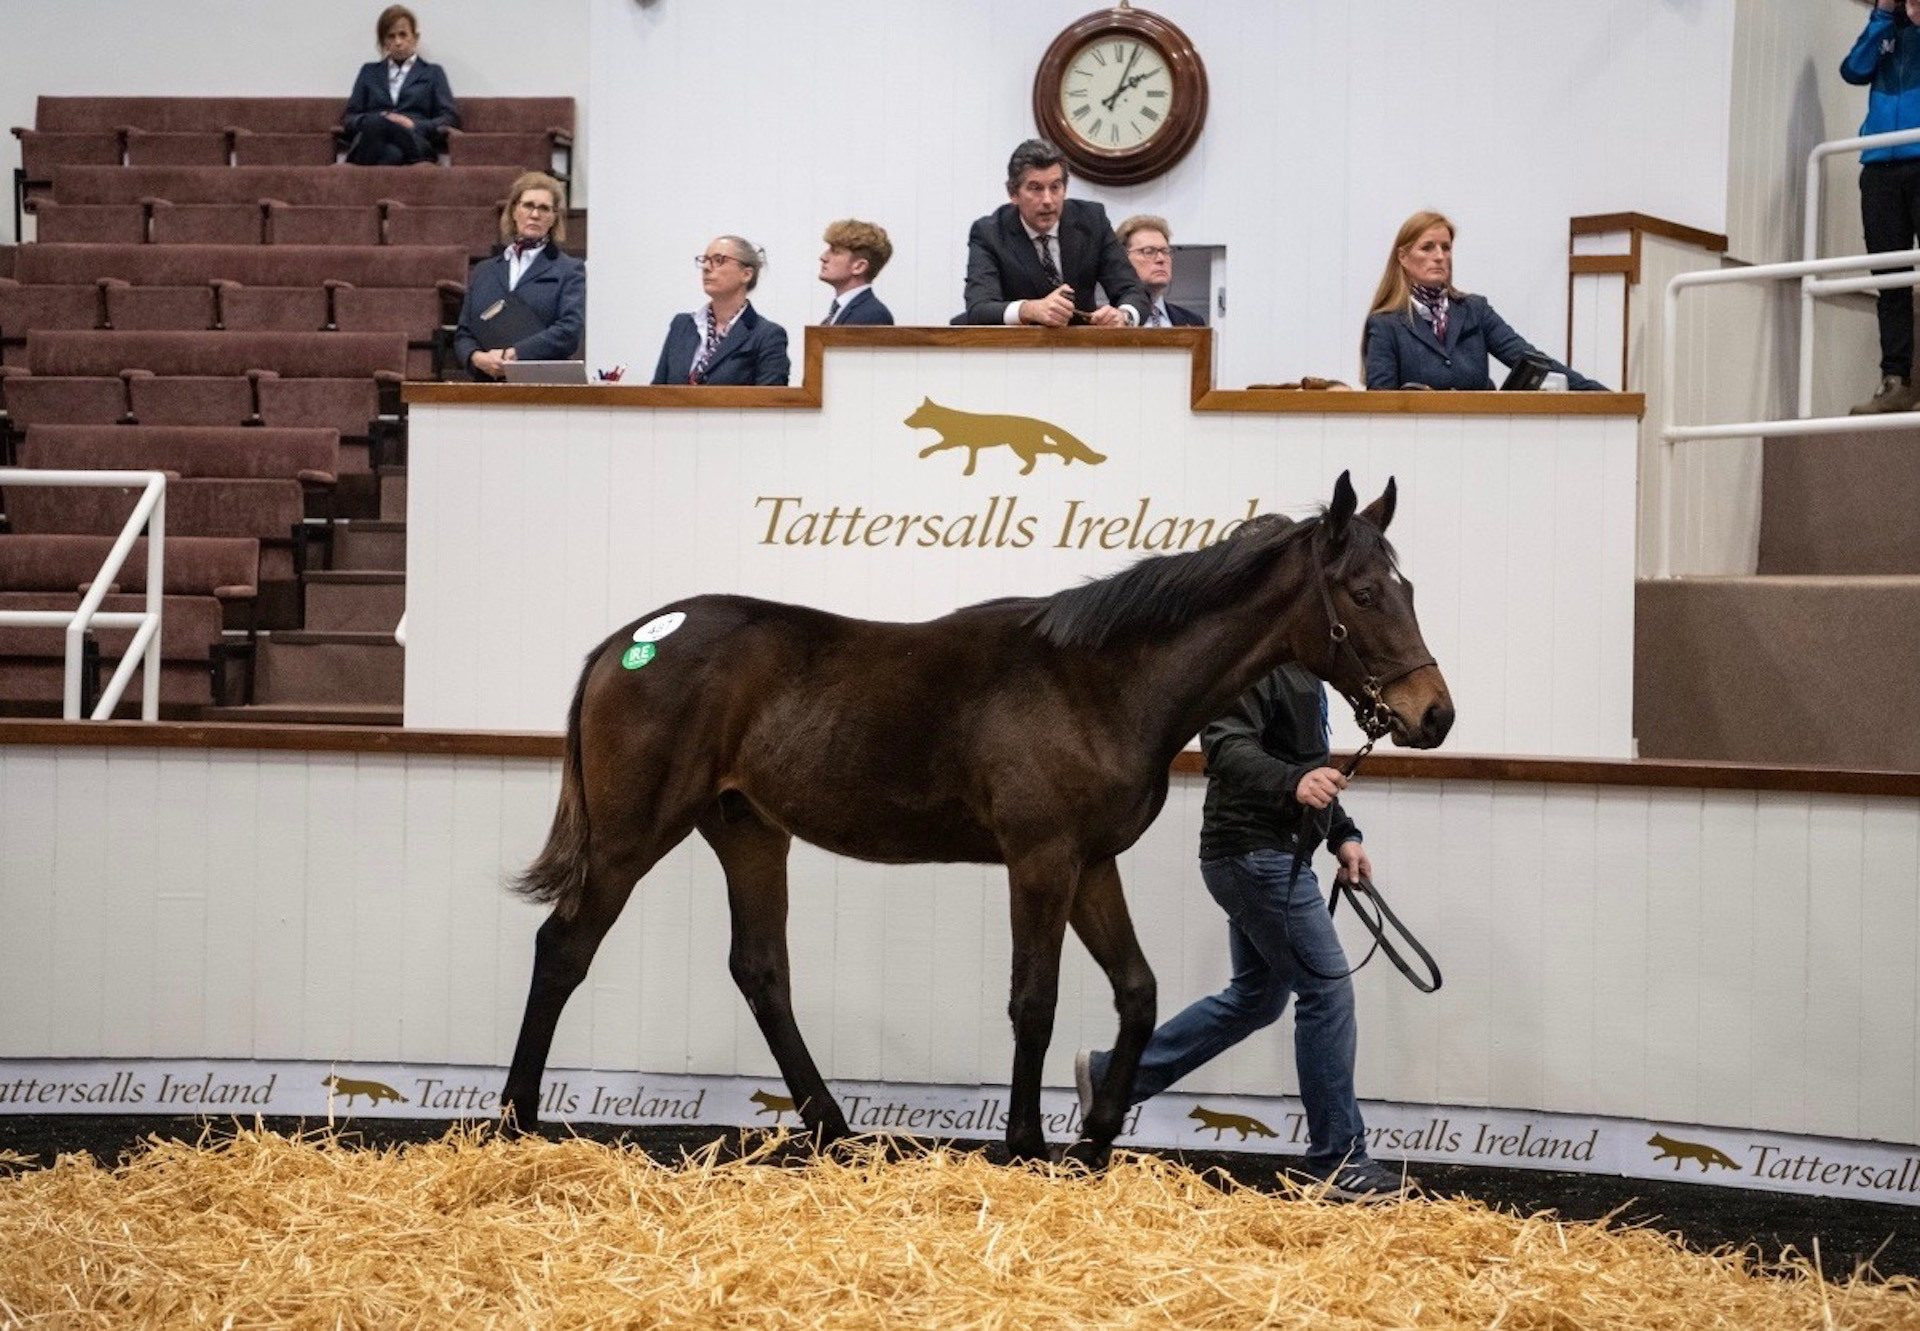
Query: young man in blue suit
x=1037 y=258
x=1149 y=246
x=529 y=302
x=856 y=252
x=401 y=107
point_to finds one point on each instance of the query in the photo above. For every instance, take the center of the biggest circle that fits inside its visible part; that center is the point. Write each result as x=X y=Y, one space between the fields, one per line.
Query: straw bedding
x=263 y=1230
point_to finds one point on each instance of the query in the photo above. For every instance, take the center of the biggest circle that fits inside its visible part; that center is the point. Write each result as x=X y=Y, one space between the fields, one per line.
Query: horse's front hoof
x=1083 y=1152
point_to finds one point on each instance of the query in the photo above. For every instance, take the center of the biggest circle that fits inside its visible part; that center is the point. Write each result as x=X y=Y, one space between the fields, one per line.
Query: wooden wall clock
x=1123 y=93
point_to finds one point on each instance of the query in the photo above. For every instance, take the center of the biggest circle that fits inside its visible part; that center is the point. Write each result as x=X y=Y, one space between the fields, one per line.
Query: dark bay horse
x=1036 y=733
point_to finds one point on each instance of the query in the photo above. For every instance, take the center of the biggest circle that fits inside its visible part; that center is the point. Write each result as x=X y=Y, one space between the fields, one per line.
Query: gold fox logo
x=1677 y=1151
x=1240 y=1123
x=1025 y=435
x=375 y=1091
x=771 y=1104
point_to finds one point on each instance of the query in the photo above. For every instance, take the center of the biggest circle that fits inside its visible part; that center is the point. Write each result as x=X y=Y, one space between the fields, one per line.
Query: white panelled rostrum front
x=534 y=531
x=1723 y=958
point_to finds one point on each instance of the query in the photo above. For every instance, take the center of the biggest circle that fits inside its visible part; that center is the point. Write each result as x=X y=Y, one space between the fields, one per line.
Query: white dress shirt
x=397 y=76
x=847 y=299
x=518 y=263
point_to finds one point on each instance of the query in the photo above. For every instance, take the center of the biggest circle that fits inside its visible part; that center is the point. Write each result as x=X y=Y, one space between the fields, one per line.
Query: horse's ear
x=1380 y=511
x=1340 y=511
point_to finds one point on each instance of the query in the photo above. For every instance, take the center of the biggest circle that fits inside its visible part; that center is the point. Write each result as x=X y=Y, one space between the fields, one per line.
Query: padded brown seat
x=475 y=228
x=43 y=152
x=347 y=405
x=314 y=224
x=271 y=309
x=90 y=223
x=318 y=148
x=176 y=148
x=203 y=577
x=529 y=152
x=292 y=355
x=206 y=224
x=26 y=308
x=167 y=399
x=132 y=309
x=84 y=400
x=251 y=265
x=231 y=453
x=266 y=509
x=284 y=115
x=336 y=186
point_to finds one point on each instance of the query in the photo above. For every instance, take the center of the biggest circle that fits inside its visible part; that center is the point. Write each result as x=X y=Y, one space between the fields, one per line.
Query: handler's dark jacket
x=1256 y=754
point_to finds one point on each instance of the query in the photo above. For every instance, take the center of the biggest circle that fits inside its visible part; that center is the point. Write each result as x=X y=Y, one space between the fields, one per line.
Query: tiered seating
x=282 y=288
x=209 y=586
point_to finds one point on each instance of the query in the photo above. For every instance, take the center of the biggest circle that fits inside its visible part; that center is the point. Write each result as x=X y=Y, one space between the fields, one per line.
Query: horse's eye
x=1364 y=597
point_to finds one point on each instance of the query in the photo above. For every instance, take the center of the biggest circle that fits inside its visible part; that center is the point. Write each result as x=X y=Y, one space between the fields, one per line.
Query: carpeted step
x=1783 y=669
x=365 y=669
x=355 y=601
x=1847 y=503
x=393 y=494
x=370 y=543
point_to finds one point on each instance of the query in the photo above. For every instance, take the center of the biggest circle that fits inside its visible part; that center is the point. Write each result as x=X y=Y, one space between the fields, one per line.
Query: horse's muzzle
x=1422 y=694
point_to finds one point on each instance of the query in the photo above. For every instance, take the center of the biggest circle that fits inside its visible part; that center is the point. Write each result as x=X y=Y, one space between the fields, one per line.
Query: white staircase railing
x=151 y=513
x=1812 y=272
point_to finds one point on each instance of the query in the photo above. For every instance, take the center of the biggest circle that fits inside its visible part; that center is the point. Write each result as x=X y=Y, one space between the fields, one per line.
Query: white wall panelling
x=1739 y=958
x=535 y=531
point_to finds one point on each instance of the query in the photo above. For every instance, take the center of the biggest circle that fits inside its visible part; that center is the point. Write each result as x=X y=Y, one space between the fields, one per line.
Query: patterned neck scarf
x=523 y=248
x=1435 y=299
x=716 y=334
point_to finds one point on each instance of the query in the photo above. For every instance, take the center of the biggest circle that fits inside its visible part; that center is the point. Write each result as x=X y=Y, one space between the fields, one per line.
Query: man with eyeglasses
x=1148 y=243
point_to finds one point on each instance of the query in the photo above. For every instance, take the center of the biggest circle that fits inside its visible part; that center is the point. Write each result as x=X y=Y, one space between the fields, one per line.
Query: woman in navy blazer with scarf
x=388 y=129
x=725 y=341
x=1423 y=332
x=532 y=272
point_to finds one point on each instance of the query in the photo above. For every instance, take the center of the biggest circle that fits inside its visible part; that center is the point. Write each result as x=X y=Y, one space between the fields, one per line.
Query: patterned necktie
x=698 y=375
x=833 y=311
x=1047 y=265
x=1154 y=317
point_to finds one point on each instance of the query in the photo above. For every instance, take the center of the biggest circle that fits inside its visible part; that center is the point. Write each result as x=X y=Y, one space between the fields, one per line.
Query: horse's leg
x=564 y=948
x=753 y=854
x=1101 y=920
x=1041 y=887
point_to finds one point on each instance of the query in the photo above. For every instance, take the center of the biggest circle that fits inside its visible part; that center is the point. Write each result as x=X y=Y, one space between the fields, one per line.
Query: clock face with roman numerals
x=1123 y=93
x=1117 y=93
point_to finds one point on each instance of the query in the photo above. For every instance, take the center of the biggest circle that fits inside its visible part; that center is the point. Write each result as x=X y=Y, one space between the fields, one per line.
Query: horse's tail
x=558 y=877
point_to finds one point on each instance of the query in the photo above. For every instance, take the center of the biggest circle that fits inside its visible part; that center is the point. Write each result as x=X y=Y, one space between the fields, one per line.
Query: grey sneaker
x=1362 y=1181
x=1083 y=1081
x=1896 y=394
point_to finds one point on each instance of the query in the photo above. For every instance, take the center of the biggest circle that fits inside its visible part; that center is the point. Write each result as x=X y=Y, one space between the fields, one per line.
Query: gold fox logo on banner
x=1027 y=436
x=771 y=1104
x=1240 y=1123
x=375 y=1091
x=1677 y=1151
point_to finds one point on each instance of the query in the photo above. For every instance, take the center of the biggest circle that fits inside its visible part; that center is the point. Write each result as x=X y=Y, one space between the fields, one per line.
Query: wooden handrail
x=1660 y=773
x=1198 y=342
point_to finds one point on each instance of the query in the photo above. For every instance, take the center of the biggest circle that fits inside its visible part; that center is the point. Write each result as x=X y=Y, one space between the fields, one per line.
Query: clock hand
x=1124 y=85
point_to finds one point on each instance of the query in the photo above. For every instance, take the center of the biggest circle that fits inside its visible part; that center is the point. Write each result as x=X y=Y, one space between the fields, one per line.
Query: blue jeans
x=1252 y=890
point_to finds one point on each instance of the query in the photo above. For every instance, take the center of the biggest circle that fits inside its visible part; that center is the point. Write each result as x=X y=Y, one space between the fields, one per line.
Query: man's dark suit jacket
x=1003 y=264
x=754 y=351
x=554 y=287
x=1182 y=317
x=1401 y=349
x=425 y=98
x=864 y=308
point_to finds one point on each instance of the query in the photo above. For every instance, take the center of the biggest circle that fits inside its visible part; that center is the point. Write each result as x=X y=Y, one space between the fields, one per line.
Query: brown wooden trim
x=1197 y=342
x=1599 y=223
x=1664 y=773
x=1603 y=263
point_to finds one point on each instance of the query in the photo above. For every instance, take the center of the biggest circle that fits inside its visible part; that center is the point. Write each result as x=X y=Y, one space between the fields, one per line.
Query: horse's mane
x=1163 y=593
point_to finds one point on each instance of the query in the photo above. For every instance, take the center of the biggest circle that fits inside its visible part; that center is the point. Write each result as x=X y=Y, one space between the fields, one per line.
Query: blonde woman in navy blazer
x=1424 y=332
x=747 y=348
x=388 y=129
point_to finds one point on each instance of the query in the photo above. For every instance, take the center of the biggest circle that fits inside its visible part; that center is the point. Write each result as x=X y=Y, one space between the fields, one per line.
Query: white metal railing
x=1812 y=274
x=151 y=513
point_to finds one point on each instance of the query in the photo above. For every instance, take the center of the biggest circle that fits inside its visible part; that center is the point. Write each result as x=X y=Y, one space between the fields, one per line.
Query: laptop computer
x=546 y=371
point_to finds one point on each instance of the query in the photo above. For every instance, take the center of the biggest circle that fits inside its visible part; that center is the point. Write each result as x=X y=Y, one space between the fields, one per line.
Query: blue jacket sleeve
x=666 y=344
x=1510 y=348
x=772 y=366
x=464 y=342
x=359 y=104
x=446 y=115
x=1383 y=354
x=1864 y=58
x=561 y=338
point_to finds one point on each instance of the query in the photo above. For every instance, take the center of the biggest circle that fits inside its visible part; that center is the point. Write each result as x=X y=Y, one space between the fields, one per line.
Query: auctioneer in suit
x=1003 y=264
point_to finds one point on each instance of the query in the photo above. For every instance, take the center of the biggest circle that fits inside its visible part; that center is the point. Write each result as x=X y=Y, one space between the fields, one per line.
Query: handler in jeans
x=1265 y=759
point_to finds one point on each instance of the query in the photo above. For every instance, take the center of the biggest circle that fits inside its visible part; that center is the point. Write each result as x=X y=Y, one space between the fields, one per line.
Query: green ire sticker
x=638 y=655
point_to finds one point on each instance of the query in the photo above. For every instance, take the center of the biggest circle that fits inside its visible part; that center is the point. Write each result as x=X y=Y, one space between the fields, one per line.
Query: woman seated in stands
x=726 y=341
x=1424 y=332
x=401 y=106
x=529 y=301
